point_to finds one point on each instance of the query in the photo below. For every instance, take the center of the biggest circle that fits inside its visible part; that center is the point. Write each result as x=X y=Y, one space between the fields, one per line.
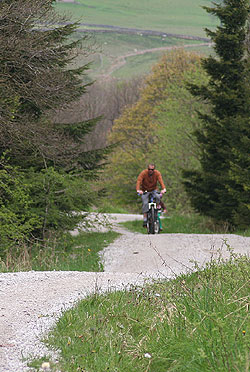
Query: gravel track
x=31 y=302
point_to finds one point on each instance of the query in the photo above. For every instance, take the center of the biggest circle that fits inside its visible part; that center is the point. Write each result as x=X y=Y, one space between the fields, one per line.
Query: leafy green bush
x=157 y=129
x=33 y=204
x=57 y=197
x=17 y=219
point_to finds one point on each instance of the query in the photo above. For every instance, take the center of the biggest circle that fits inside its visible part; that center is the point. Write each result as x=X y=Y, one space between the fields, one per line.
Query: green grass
x=181 y=16
x=142 y=64
x=121 y=44
x=192 y=224
x=203 y=51
x=109 y=208
x=137 y=65
x=185 y=224
x=194 y=323
x=105 y=205
x=186 y=17
x=110 y=46
x=78 y=253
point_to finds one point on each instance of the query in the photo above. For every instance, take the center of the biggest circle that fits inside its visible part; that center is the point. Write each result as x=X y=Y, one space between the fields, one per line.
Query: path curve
x=31 y=302
x=121 y=60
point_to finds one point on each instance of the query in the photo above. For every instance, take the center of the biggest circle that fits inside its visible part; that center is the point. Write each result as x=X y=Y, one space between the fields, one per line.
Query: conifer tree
x=37 y=78
x=240 y=163
x=217 y=188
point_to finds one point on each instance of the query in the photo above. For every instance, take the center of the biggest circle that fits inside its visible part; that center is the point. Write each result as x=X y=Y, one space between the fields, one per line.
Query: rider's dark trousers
x=145 y=200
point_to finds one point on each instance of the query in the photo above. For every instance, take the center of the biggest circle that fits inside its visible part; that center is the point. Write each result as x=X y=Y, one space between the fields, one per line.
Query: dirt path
x=121 y=60
x=31 y=302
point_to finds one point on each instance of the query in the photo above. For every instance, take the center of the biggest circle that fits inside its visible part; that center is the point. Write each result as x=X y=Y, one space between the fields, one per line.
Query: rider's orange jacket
x=149 y=183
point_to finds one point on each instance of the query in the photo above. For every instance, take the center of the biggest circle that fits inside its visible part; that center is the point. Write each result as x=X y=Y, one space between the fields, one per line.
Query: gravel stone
x=32 y=302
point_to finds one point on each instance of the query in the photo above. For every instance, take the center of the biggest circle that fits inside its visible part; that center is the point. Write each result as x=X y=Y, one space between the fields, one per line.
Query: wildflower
x=46 y=366
x=89 y=250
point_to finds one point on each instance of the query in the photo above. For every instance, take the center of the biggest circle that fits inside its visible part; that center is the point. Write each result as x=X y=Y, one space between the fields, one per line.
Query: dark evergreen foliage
x=220 y=189
x=37 y=80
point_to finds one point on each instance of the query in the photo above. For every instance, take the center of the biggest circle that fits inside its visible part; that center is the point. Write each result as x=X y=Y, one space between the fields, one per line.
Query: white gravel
x=31 y=302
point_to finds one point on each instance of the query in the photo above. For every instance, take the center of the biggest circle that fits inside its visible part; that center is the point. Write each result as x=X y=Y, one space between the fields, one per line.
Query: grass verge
x=198 y=322
x=71 y=253
x=189 y=224
x=107 y=206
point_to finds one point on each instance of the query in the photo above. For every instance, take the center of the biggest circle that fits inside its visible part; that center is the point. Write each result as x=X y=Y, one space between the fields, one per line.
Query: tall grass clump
x=196 y=322
x=71 y=253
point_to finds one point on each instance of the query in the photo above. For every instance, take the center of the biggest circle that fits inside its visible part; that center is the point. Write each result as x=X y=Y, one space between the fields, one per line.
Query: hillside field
x=110 y=47
x=172 y=16
x=182 y=17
